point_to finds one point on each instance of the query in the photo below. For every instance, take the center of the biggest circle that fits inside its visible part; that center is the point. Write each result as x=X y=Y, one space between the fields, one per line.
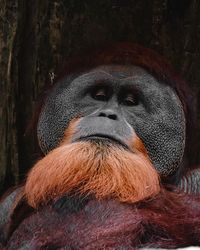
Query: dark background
x=37 y=36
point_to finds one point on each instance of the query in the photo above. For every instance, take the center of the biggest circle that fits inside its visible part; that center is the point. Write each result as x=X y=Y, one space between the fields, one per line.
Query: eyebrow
x=127 y=87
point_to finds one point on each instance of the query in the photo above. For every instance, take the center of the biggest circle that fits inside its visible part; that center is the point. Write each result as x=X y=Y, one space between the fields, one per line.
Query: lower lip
x=96 y=138
x=102 y=138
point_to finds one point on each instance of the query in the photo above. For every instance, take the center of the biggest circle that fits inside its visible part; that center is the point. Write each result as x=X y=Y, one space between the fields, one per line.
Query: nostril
x=112 y=116
x=108 y=114
x=102 y=114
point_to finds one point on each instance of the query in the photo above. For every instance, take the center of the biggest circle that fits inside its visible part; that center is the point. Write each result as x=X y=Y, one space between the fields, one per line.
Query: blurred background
x=37 y=36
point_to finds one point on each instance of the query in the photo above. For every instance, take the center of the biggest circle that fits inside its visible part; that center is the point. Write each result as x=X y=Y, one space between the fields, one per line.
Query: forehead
x=120 y=75
x=122 y=71
x=114 y=75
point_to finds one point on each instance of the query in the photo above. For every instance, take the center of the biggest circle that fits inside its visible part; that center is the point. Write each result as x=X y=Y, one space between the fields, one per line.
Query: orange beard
x=103 y=169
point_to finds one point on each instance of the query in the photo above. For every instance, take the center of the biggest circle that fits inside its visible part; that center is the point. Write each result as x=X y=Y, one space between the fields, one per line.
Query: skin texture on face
x=114 y=99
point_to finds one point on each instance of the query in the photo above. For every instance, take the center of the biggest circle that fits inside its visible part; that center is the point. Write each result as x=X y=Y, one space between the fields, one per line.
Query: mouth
x=104 y=138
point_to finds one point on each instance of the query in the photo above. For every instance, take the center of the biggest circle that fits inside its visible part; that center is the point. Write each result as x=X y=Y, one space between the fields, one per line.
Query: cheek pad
x=59 y=109
x=163 y=135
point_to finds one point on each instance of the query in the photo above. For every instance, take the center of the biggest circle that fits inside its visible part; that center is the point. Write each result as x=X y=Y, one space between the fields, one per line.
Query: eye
x=130 y=100
x=99 y=94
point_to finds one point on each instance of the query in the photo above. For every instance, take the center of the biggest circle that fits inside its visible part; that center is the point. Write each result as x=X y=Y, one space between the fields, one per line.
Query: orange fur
x=105 y=170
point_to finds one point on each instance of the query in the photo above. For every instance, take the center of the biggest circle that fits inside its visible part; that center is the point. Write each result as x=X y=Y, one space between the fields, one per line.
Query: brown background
x=36 y=36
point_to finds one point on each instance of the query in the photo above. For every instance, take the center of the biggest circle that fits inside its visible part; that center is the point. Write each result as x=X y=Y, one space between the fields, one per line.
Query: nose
x=109 y=113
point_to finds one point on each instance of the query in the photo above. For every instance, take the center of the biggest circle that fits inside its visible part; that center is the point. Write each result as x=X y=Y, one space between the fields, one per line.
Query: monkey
x=113 y=130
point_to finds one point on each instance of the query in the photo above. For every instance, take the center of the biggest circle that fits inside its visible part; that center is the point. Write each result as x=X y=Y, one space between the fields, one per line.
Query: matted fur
x=100 y=168
x=169 y=220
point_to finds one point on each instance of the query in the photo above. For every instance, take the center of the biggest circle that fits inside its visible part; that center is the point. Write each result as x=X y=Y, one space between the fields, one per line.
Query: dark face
x=113 y=103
